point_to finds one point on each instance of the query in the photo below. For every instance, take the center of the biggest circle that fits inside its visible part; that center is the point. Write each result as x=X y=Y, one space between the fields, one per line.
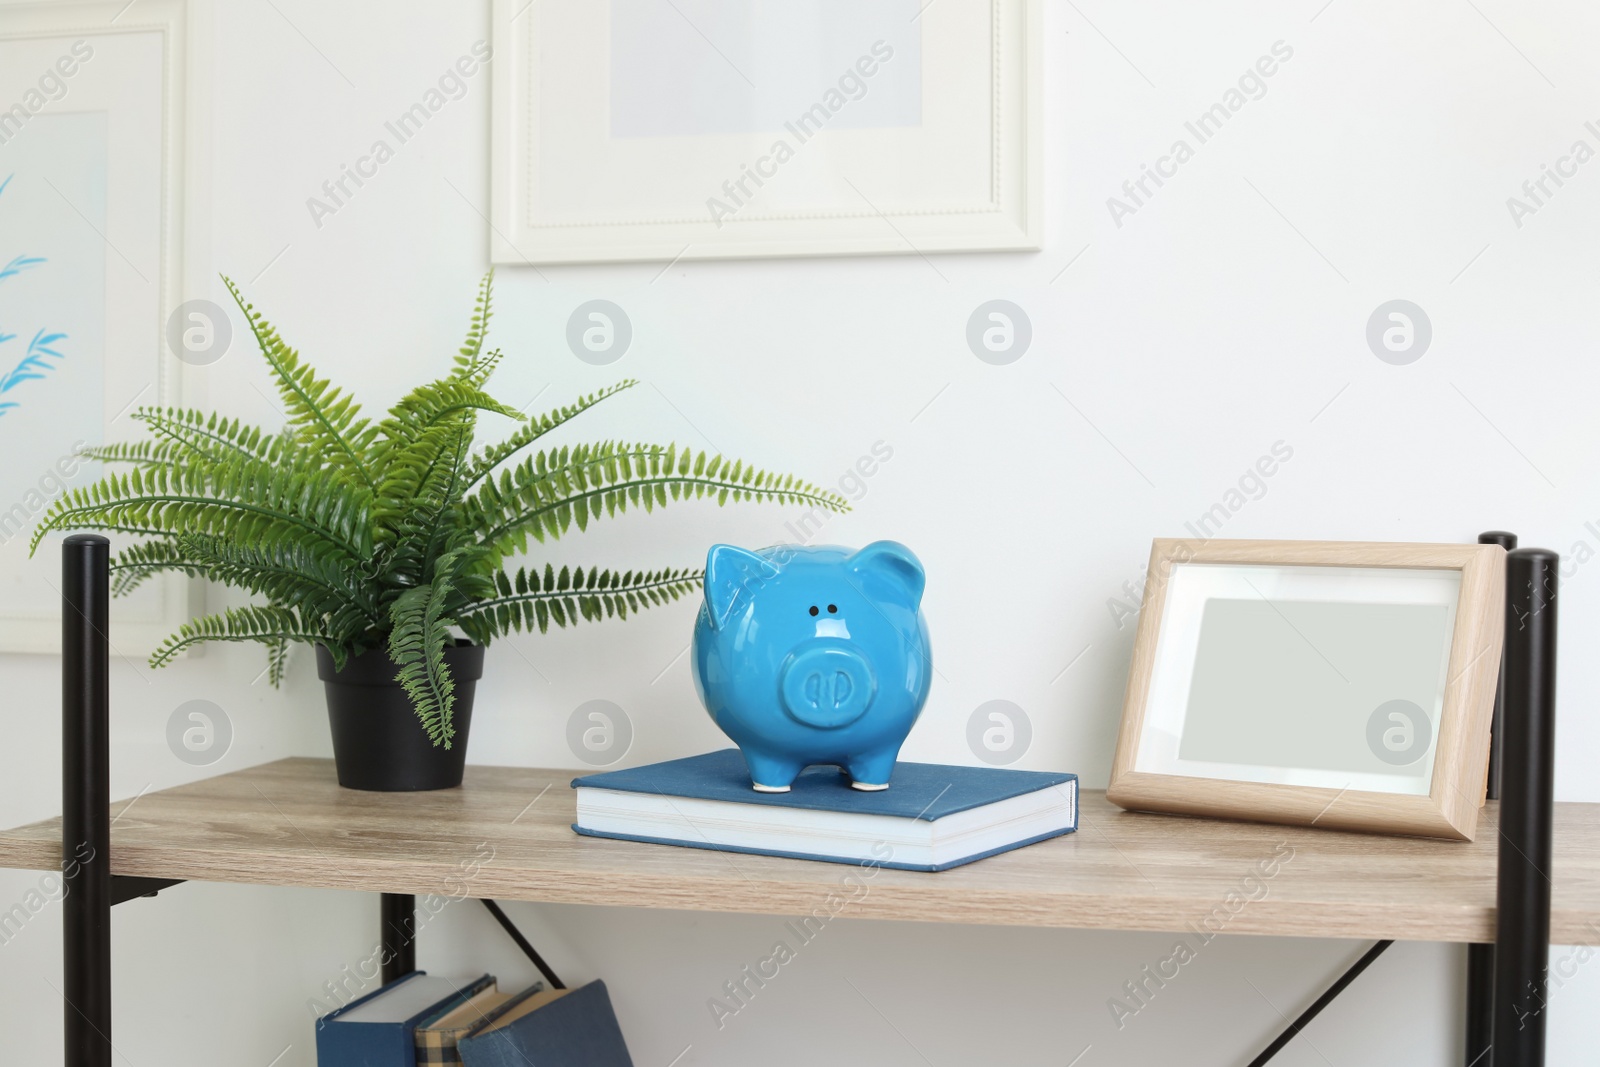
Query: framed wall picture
x=684 y=129
x=1345 y=685
x=93 y=140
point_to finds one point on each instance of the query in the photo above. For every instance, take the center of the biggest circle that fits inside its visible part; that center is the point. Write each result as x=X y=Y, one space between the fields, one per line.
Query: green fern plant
x=359 y=534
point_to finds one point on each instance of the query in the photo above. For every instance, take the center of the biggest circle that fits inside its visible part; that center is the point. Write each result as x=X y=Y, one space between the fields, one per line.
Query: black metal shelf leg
x=399 y=927
x=86 y=799
x=1522 y=906
x=1480 y=1005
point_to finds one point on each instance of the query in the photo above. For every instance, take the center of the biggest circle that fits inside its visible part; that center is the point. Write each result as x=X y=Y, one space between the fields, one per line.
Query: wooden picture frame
x=750 y=147
x=1456 y=783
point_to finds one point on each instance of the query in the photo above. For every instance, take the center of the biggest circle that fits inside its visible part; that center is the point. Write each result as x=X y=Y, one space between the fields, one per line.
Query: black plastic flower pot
x=379 y=744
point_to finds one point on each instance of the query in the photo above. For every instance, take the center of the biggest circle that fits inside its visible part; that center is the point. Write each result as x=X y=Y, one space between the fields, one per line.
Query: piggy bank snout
x=827 y=684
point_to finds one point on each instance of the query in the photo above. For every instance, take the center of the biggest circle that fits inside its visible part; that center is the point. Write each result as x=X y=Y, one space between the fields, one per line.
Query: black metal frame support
x=399 y=937
x=1377 y=949
x=127 y=887
x=86 y=799
x=399 y=932
x=523 y=943
x=1522 y=906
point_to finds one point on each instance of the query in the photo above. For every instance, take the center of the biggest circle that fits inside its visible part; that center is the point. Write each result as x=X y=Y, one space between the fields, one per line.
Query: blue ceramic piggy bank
x=808 y=655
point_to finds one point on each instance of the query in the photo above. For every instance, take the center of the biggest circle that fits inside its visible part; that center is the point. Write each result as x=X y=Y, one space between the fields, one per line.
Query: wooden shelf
x=506 y=835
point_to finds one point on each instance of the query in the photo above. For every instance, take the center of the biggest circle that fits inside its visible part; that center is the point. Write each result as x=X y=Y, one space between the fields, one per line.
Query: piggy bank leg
x=871 y=772
x=771 y=774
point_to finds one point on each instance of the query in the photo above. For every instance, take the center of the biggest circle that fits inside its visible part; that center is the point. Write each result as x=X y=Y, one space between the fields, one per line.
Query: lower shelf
x=505 y=834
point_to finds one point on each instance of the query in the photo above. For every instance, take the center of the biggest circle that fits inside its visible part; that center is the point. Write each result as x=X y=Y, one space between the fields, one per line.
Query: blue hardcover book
x=931 y=818
x=554 y=1027
x=377 y=1030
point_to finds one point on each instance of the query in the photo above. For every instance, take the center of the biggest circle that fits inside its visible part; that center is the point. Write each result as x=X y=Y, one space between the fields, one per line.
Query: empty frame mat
x=1319 y=676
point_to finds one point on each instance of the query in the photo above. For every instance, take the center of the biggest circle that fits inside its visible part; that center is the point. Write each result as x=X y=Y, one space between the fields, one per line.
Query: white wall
x=1226 y=315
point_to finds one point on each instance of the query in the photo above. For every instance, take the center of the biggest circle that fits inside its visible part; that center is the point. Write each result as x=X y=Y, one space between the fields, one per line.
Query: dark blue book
x=554 y=1027
x=377 y=1030
x=932 y=816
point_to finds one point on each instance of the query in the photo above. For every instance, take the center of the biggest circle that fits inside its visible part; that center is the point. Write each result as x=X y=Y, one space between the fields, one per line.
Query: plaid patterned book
x=436 y=1037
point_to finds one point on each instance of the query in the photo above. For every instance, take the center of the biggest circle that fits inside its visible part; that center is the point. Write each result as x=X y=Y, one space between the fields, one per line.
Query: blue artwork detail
x=18 y=265
x=813 y=655
x=36 y=363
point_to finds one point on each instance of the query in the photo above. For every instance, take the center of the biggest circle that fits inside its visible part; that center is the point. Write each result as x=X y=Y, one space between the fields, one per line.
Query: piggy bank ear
x=731 y=577
x=888 y=567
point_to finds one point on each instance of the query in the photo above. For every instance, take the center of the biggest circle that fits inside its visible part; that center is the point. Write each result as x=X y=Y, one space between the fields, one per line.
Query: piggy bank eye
x=813 y=609
x=832 y=610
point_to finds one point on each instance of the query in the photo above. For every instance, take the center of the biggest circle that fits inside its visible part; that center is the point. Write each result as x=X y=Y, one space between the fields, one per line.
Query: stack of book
x=426 y=1020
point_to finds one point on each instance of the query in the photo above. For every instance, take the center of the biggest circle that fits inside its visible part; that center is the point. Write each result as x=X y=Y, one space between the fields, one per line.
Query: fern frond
x=472 y=365
x=416 y=644
x=246 y=503
x=419 y=515
x=131 y=566
x=533 y=600
x=145 y=453
x=448 y=402
x=545 y=494
x=194 y=434
x=325 y=417
x=277 y=661
x=253 y=623
x=535 y=428
x=319 y=588
x=187 y=437
x=431 y=404
x=421 y=450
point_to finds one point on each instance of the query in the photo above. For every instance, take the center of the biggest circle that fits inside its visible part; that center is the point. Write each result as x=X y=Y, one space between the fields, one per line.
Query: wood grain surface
x=506 y=834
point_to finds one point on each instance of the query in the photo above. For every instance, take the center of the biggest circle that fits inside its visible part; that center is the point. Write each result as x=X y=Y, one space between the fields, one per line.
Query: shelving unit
x=505 y=835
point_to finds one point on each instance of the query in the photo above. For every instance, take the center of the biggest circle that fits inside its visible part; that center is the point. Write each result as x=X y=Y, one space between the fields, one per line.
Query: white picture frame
x=137 y=76
x=588 y=166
